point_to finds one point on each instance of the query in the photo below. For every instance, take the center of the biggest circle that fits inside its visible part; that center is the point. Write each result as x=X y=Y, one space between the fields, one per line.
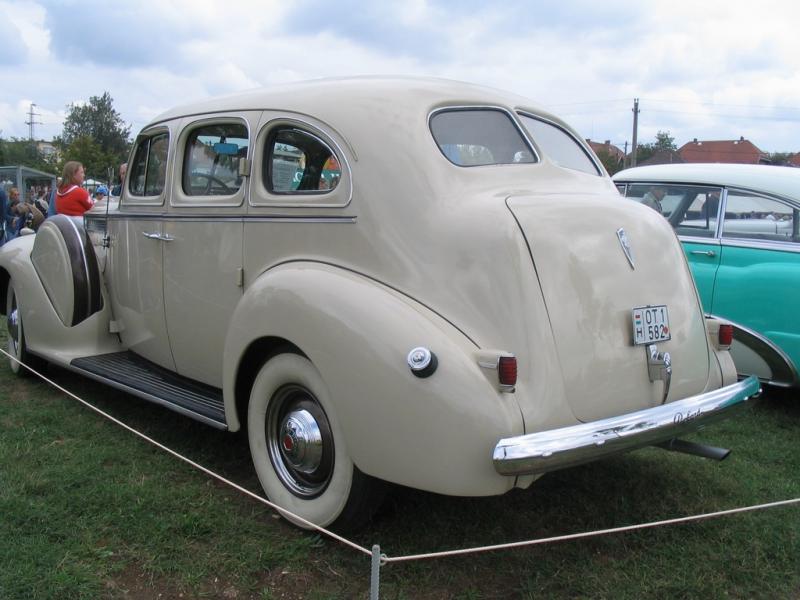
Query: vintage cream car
x=407 y=280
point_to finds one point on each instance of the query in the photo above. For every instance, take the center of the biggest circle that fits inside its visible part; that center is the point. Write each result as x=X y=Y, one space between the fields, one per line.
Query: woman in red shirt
x=72 y=199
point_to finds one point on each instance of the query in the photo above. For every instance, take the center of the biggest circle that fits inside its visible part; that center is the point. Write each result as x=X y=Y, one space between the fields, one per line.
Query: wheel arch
x=258 y=352
x=433 y=433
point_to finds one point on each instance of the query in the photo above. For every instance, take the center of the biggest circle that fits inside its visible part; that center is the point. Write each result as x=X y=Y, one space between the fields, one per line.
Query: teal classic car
x=740 y=229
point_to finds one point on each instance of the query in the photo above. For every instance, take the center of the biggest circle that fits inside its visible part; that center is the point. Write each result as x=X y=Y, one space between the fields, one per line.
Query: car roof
x=332 y=97
x=779 y=181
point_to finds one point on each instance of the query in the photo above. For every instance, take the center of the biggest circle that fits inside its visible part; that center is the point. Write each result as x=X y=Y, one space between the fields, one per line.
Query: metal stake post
x=375 y=575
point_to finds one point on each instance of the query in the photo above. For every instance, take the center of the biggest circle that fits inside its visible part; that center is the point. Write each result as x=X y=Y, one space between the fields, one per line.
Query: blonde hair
x=70 y=168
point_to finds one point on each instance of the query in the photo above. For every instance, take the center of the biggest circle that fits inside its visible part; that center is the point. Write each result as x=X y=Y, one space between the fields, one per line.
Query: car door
x=203 y=254
x=758 y=281
x=135 y=255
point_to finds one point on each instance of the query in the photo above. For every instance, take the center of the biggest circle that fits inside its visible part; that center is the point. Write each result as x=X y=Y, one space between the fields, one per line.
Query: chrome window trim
x=511 y=115
x=126 y=197
x=283 y=200
x=761 y=245
x=694 y=239
x=581 y=144
x=226 y=218
x=176 y=198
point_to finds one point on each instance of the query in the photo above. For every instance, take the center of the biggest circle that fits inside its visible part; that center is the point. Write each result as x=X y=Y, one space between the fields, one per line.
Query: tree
x=611 y=162
x=25 y=153
x=95 y=134
x=664 y=141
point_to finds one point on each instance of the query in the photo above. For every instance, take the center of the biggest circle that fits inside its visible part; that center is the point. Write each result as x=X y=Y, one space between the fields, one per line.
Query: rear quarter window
x=480 y=136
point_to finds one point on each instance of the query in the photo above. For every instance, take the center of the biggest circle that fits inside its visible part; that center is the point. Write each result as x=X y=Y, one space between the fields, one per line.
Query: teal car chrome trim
x=569 y=446
x=787 y=246
x=784 y=372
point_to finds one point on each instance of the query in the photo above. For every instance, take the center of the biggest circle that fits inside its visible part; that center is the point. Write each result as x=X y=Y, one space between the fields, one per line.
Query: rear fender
x=434 y=433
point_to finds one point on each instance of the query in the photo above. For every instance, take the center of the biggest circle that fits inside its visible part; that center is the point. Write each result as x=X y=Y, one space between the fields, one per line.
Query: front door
x=135 y=256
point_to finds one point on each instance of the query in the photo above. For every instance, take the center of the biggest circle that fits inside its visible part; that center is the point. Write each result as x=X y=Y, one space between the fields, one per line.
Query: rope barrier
x=378 y=559
x=190 y=462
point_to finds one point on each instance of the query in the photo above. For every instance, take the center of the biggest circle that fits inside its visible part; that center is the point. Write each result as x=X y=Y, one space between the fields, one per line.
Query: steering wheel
x=213 y=179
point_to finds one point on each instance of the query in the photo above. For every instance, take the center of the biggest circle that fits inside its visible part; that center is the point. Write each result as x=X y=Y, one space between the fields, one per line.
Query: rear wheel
x=16 y=337
x=298 y=448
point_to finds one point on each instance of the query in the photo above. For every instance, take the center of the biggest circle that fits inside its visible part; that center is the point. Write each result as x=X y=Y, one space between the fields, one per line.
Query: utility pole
x=30 y=122
x=635 y=130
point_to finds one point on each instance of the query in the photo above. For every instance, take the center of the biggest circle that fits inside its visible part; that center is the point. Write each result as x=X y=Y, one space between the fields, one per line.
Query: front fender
x=435 y=433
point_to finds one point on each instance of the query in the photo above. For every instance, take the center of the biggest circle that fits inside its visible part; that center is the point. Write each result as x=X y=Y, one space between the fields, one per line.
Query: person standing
x=116 y=191
x=654 y=197
x=71 y=199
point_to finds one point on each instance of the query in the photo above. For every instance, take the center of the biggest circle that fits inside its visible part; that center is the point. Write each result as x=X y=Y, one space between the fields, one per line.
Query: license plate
x=650 y=324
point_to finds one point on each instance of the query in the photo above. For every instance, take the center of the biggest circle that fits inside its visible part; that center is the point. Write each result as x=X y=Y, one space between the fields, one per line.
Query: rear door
x=758 y=281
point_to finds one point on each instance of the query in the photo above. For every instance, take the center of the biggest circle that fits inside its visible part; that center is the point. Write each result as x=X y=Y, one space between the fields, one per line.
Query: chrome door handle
x=157 y=236
x=703 y=252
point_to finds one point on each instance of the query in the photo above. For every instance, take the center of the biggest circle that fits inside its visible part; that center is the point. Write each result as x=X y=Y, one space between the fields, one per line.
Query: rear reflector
x=725 y=334
x=507 y=370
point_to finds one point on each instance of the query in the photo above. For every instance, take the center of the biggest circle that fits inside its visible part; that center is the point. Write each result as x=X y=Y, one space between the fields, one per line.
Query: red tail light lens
x=725 y=334
x=507 y=370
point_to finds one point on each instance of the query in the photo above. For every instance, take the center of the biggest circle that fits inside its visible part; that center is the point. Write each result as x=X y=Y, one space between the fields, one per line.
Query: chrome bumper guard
x=569 y=446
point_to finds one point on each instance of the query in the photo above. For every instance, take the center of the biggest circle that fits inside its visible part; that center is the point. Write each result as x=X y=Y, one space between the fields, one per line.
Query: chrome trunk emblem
x=626 y=247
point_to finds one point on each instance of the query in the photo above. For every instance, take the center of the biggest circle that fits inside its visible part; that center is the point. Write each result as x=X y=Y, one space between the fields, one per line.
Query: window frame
x=128 y=197
x=744 y=242
x=179 y=198
x=599 y=168
x=261 y=197
x=487 y=107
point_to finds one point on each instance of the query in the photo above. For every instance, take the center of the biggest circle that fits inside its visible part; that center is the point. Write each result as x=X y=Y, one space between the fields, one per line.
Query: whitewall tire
x=299 y=451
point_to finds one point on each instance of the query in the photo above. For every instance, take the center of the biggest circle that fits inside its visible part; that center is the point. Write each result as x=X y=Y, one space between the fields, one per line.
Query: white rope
x=412 y=557
x=188 y=461
x=577 y=536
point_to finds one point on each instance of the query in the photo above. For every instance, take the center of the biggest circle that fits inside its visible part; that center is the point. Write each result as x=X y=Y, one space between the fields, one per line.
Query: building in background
x=739 y=151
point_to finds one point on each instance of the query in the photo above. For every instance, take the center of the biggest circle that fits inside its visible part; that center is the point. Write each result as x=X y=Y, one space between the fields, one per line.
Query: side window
x=755 y=217
x=691 y=210
x=298 y=162
x=478 y=137
x=211 y=159
x=149 y=169
x=559 y=146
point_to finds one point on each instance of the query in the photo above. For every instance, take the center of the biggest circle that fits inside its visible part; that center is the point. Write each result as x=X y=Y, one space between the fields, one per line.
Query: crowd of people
x=69 y=197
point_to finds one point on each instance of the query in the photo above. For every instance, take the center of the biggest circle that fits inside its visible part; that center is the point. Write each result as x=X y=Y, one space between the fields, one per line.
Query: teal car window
x=692 y=210
x=756 y=217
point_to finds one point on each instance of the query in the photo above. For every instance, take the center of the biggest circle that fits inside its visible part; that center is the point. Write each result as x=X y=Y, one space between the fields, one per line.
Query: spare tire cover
x=65 y=261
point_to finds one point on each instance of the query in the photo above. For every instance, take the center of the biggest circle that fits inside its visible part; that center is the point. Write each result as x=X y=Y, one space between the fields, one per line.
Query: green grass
x=88 y=510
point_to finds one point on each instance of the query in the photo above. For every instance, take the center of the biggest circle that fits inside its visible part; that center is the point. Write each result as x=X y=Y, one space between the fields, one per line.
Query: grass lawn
x=88 y=510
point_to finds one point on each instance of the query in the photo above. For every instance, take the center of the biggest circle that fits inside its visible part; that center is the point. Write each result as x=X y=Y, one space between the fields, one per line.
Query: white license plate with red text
x=650 y=324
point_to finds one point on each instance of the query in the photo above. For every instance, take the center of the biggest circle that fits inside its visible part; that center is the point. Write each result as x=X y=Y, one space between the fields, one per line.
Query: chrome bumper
x=569 y=446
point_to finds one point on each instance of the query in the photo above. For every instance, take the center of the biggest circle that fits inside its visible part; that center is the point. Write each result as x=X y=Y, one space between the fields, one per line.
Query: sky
x=703 y=69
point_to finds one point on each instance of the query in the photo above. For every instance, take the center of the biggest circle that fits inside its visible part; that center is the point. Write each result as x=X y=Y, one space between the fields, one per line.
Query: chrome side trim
x=775 y=246
x=227 y=219
x=569 y=446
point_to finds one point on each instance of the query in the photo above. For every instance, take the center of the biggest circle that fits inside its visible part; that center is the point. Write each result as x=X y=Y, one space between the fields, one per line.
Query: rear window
x=475 y=137
x=559 y=146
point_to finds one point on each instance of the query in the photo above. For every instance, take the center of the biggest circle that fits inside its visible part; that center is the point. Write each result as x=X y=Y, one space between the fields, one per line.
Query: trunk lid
x=590 y=289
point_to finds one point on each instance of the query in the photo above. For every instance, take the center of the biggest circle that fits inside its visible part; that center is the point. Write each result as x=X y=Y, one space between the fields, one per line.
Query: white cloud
x=691 y=60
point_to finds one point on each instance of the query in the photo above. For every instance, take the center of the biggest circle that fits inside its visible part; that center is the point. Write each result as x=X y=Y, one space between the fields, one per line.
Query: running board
x=135 y=375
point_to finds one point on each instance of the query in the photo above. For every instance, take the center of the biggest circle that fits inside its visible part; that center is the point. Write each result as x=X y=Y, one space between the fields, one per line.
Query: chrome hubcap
x=299 y=441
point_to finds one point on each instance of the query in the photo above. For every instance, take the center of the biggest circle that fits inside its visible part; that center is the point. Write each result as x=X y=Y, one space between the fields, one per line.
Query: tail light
x=725 y=334
x=507 y=371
